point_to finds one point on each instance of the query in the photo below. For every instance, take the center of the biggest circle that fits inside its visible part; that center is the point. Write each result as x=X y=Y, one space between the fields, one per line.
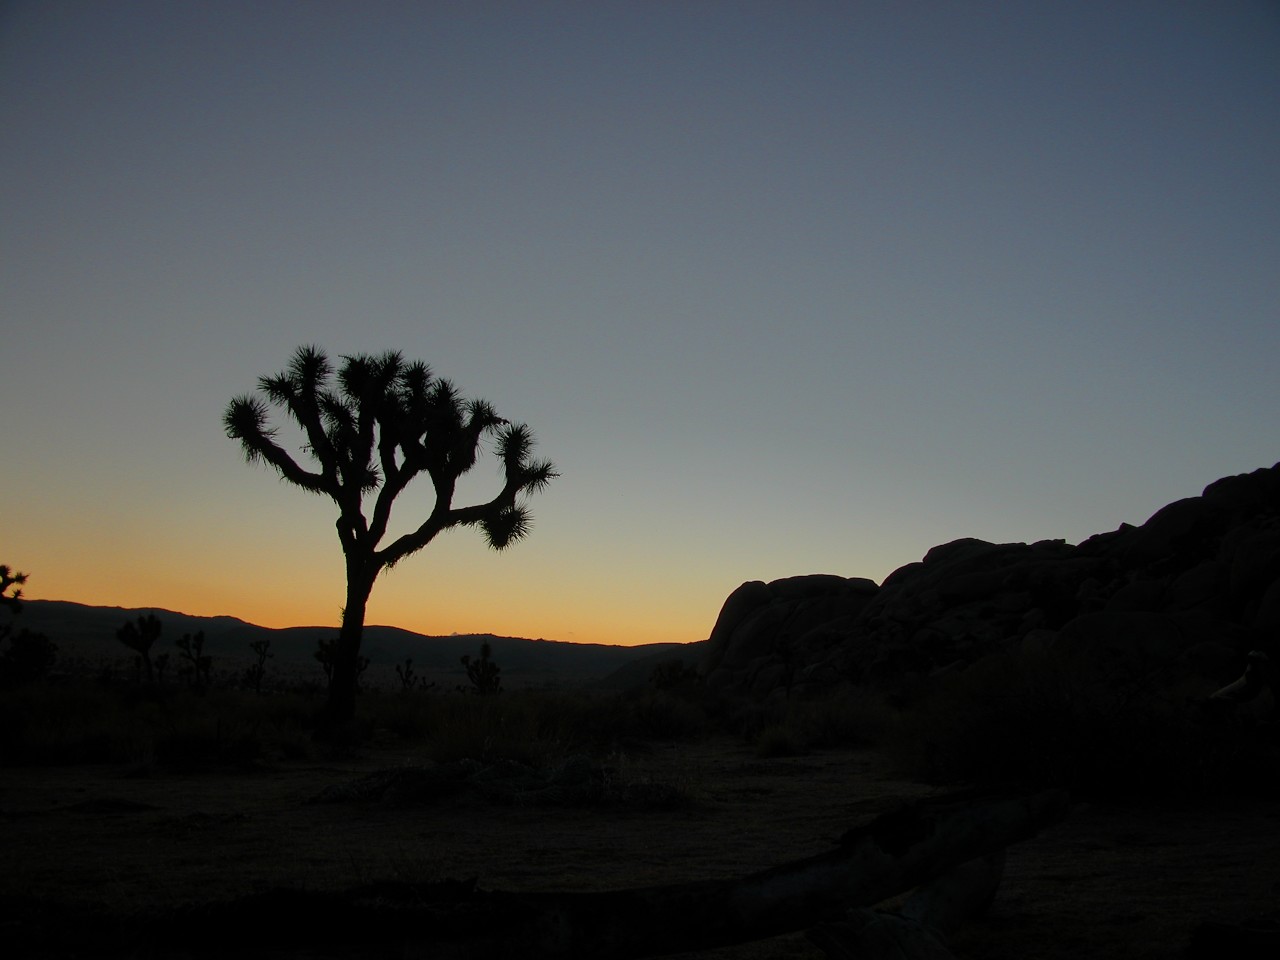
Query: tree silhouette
x=192 y=650
x=483 y=672
x=381 y=424
x=140 y=639
x=257 y=672
x=11 y=578
x=24 y=656
x=405 y=673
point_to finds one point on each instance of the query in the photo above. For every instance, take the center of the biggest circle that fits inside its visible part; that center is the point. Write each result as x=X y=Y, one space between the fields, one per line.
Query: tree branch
x=245 y=420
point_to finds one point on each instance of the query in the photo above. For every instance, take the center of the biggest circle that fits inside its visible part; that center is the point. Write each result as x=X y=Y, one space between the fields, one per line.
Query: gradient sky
x=781 y=288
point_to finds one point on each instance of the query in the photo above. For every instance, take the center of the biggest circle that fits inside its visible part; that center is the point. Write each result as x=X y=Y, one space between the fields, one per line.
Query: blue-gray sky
x=781 y=287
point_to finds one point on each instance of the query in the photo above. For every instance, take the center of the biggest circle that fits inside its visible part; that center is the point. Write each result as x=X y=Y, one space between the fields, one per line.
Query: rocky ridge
x=1193 y=590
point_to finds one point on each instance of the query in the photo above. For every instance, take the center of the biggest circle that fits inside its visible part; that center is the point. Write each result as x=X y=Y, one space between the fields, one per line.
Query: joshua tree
x=324 y=653
x=405 y=673
x=484 y=674
x=26 y=657
x=258 y=671
x=199 y=663
x=140 y=639
x=382 y=423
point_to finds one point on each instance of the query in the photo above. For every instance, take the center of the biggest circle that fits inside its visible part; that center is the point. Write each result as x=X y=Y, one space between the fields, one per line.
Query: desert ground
x=1111 y=880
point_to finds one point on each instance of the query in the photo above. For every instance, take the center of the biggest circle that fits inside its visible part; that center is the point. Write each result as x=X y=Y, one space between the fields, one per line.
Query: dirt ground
x=1110 y=881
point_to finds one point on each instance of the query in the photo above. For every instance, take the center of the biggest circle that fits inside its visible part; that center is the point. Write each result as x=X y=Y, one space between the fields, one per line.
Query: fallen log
x=920 y=929
x=890 y=855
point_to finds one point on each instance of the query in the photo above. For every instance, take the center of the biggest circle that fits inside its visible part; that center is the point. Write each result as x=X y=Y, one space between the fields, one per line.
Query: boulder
x=767 y=632
x=1198 y=583
x=1122 y=647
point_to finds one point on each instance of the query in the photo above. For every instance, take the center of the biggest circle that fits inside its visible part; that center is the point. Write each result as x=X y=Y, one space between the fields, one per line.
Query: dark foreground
x=1111 y=880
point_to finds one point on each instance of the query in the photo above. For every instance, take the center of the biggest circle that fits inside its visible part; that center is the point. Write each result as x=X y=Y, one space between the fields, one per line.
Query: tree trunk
x=339 y=710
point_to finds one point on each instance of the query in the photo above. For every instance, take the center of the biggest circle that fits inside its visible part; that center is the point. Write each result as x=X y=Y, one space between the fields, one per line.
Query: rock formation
x=1195 y=588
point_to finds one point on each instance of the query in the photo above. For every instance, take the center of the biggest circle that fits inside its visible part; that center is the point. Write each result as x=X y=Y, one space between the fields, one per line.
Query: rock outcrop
x=1192 y=590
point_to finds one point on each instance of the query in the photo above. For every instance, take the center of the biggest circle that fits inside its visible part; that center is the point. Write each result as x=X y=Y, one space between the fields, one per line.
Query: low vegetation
x=1014 y=718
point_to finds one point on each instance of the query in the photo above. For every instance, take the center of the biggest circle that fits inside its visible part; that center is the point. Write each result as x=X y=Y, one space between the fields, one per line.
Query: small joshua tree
x=140 y=639
x=191 y=649
x=324 y=653
x=405 y=673
x=483 y=672
x=255 y=674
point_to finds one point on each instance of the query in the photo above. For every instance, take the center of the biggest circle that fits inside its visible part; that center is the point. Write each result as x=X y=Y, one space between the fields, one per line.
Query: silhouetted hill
x=89 y=633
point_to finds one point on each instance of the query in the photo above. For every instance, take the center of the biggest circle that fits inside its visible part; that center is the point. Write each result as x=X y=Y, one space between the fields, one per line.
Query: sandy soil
x=1111 y=881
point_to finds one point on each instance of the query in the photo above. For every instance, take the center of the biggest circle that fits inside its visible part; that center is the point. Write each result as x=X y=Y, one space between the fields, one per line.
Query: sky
x=781 y=288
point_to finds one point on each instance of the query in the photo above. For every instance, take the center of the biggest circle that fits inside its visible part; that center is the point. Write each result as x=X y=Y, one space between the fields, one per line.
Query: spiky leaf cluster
x=374 y=424
x=11 y=578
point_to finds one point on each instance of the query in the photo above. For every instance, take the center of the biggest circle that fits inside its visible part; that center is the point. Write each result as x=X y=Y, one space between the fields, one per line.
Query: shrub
x=846 y=717
x=675 y=675
x=663 y=715
x=27 y=658
x=489 y=729
x=1024 y=717
x=782 y=739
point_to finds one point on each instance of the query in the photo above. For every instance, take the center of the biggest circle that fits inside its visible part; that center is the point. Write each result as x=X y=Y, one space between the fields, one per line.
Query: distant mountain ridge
x=89 y=633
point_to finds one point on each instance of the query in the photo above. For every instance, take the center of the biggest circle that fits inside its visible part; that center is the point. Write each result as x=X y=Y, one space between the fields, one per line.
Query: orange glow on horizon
x=442 y=621
x=287 y=572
